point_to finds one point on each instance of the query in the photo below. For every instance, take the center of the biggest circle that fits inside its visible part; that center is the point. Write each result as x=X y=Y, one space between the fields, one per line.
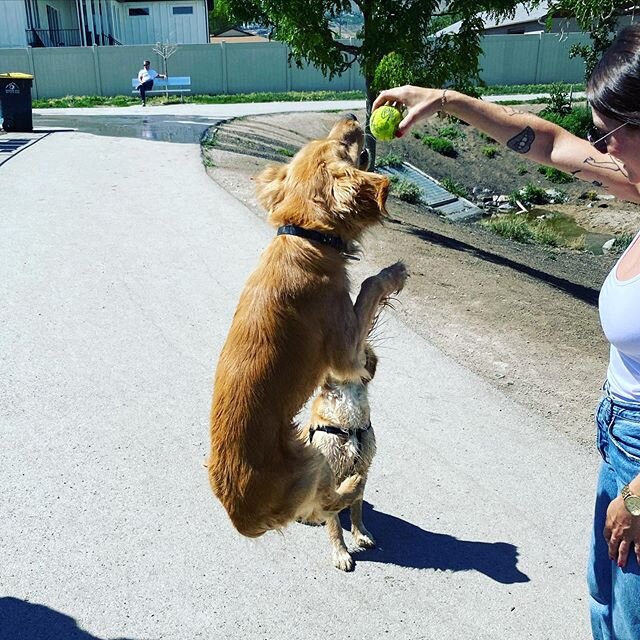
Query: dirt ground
x=522 y=317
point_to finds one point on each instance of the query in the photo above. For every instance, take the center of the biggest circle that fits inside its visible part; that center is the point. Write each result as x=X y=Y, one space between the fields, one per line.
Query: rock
x=503 y=198
x=608 y=245
x=605 y=196
x=505 y=207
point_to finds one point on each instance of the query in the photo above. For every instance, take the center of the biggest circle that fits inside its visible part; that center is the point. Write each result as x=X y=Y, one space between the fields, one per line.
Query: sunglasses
x=598 y=140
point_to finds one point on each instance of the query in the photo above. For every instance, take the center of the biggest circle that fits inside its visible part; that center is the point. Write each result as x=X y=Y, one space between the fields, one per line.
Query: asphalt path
x=121 y=263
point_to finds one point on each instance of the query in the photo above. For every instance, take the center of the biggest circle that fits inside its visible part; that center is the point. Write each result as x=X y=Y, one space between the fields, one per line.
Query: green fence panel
x=554 y=63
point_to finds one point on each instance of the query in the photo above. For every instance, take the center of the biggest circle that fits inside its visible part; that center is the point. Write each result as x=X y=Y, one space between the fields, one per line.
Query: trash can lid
x=17 y=75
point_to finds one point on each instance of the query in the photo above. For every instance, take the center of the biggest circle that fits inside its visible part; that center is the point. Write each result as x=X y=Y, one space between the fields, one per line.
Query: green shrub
x=286 y=152
x=531 y=194
x=407 y=191
x=490 y=152
x=577 y=121
x=389 y=160
x=555 y=175
x=559 y=99
x=622 y=242
x=454 y=187
x=451 y=132
x=522 y=169
x=440 y=145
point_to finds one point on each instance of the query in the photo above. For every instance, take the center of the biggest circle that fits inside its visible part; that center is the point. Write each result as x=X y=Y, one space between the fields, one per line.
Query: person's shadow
x=404 y=544
x=21 y=620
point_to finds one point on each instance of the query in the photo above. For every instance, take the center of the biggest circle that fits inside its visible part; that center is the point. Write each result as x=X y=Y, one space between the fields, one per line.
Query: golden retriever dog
x=295 y=324
x=340 y=428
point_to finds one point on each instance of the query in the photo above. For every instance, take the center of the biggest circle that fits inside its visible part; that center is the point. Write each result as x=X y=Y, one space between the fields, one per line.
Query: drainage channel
x=435 y=196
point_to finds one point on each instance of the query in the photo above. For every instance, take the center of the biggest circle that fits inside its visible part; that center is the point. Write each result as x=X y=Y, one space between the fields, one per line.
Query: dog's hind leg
x=359 y=532
x=341 y=557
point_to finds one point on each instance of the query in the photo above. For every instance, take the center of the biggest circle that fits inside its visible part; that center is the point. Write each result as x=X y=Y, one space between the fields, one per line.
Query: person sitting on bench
x=146 y=76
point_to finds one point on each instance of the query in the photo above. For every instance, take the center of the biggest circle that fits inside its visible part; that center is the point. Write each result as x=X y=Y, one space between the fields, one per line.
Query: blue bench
x=173 y=84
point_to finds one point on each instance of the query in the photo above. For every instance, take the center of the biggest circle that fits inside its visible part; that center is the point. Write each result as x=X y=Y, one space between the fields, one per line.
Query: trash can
x=15 y=102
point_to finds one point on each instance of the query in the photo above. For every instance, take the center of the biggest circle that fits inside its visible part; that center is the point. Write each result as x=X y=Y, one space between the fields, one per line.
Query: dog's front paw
x=342 y=560
x=363 y=538
x=393 y=277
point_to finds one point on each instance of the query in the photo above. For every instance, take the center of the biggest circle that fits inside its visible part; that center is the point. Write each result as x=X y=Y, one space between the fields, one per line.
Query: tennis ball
x=384 y=122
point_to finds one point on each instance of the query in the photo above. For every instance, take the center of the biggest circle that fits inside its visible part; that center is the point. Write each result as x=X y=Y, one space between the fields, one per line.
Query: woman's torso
x=619 y=307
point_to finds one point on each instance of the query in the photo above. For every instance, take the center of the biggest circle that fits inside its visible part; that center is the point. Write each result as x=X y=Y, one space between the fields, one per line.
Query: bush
x=622 y=242
x=522 y=169
x=451 y=132
x=454 y=187
x=555 y=175
x=440 y=145
x=577 y=121
x=559 y=99
x=489 y=152
x=531 y=194
x=389 y=160
x=407 y=191
x=485 y=137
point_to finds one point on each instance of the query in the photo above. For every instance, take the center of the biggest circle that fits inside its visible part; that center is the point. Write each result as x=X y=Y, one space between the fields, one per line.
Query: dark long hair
x=613 y=89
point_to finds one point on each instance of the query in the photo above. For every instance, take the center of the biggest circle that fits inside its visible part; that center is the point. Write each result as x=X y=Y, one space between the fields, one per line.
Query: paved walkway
x=121 y=265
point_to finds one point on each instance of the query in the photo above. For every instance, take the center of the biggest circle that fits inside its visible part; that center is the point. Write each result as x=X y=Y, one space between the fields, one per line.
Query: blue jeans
x=614 y=593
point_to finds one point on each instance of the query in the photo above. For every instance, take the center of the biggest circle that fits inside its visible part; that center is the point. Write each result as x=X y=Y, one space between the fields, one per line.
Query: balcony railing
x=54 y=37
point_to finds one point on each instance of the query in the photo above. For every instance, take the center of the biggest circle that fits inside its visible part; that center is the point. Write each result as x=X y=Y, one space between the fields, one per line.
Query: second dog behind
x=340 y=428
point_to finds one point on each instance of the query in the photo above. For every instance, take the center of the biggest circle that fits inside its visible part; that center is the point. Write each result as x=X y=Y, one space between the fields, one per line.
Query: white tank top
x=619 y=306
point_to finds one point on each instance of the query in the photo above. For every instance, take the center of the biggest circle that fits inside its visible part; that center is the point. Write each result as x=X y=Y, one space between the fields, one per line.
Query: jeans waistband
x=617 y=402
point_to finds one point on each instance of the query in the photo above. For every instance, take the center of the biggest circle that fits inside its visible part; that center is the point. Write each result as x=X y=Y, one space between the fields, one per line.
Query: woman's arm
x=523 y=133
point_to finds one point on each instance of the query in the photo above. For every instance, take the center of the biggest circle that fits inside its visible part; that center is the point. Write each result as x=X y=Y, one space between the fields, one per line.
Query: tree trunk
x=370 y=141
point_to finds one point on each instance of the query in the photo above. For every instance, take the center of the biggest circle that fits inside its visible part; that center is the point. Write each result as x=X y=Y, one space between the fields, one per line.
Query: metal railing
x=67 y=38
x=54 y=37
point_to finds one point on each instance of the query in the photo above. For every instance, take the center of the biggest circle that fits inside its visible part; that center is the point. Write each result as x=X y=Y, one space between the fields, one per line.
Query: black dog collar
x=338 y=431
x=326 y=239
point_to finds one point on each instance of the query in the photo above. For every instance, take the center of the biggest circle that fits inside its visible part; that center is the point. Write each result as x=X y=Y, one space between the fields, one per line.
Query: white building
x=64 y=23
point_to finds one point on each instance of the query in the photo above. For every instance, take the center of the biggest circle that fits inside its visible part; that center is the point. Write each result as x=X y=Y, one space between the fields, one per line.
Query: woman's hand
x=421 y=103
x=622 y=532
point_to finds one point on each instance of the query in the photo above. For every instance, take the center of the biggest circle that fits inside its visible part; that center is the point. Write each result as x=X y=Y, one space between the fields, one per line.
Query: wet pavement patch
x=182 y=129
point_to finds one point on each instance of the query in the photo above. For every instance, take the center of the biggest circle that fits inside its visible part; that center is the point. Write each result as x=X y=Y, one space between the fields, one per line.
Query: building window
x=139 y=11
x=182 y=11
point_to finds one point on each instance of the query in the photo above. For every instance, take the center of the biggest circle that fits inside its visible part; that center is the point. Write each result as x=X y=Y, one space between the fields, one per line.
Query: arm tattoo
x=609 y=165
x=521 y=142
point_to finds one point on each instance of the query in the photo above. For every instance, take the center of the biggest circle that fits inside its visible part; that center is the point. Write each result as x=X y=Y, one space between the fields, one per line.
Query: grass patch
x=451 y=132
x=389 y=160
x=555 y=175
x=454 y=187
x=442 y=146
x=510 y=89
x=127 y=101
x=518 y=228
x=622 y=242
x=286 y=152
x=533 y=194
x=489 y=151
x=577 y=121
x=521 y=169
x=406 y=190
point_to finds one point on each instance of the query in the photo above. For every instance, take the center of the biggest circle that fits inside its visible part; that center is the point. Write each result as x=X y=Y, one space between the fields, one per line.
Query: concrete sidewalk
x=121 y=266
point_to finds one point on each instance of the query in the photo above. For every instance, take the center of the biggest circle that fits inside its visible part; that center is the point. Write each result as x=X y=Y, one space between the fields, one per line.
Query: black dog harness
x=339 y=431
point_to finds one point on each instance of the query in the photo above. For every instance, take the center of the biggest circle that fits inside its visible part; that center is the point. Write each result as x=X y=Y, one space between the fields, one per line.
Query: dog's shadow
x=22 y=620
x=402 y=543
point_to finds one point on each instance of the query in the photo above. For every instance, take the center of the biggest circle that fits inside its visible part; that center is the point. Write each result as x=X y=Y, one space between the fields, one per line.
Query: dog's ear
x=361 y=195
x=270 y=185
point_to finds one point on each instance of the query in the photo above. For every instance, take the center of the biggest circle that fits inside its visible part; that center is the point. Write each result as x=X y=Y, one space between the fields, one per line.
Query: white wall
x=13 y=22
x=161 y=25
